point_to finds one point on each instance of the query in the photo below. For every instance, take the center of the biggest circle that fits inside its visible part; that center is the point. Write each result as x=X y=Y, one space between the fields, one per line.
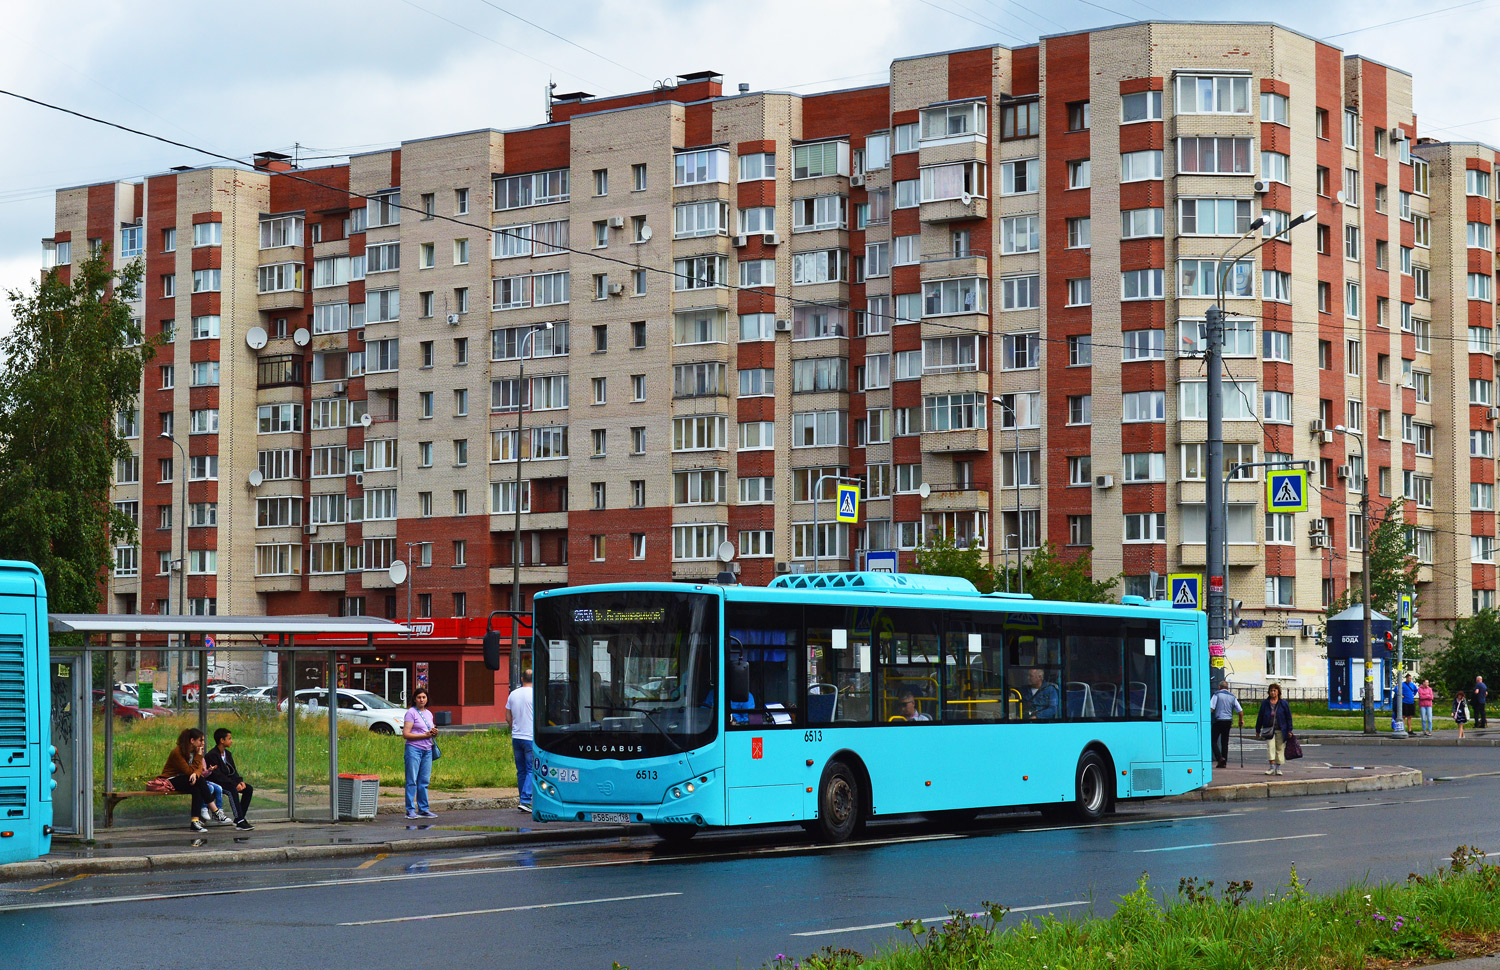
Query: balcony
x=961 y=499
x=973 y=262
x=279 y=370
x=969 y=439
x=531 y=574
x=956 y=381
x=955 y=210
x=1240 y=554
x=530 y=521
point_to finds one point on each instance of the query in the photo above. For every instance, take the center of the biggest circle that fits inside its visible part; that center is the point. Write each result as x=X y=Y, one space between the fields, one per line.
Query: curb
x=1383 y=740
x=42 y=868
x=1407 y=778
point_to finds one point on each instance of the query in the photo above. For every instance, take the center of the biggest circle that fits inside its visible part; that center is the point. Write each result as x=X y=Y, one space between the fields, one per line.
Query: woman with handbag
x=187 y=771
x=1274 y=725
x=1460 y=713
x=418 y=729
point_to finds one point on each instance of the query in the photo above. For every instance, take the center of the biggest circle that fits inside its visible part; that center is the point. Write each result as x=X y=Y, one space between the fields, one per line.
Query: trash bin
x=357 y=796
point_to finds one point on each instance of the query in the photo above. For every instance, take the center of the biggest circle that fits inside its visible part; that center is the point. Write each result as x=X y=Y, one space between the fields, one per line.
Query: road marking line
x=370 y=862
x=1210 y=845
x=507 y=909
x=939 y=919
x=1414 y=801
x=54 y=885
x=1477 y=774
x=1142 y=821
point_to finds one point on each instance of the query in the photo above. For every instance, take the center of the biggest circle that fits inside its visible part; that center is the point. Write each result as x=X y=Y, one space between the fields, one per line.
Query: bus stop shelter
x=259 y=634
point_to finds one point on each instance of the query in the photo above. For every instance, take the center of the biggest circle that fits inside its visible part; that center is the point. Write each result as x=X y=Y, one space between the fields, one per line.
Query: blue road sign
x=848 y=503
x=881 y=561
x=1286 y=490
x=1186 y=590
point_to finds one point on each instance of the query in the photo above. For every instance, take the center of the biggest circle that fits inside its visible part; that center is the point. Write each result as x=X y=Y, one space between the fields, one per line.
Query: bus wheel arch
x=844 y=798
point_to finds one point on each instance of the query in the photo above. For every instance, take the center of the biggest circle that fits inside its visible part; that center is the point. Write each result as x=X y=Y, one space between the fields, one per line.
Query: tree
x=1473 y=650
x=72 y=367
x=1393 y=569
x=942 y=557
x=1049 y=577
x=1046 y=575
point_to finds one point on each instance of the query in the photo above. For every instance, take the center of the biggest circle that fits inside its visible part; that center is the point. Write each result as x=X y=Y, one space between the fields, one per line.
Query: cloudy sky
x=334 y=76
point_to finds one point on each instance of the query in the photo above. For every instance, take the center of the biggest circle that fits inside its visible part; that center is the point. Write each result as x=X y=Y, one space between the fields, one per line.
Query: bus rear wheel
x=1091 y=788
x=674 y=833
x=839 y=808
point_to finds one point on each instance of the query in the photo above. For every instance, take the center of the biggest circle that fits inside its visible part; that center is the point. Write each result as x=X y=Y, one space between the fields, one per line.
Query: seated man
x=909 y=707
x=1042 y=700
x=748 y=704
x=222 y=772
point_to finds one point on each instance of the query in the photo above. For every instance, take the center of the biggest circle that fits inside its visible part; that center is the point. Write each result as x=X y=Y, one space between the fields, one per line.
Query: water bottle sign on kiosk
x=1344 y=640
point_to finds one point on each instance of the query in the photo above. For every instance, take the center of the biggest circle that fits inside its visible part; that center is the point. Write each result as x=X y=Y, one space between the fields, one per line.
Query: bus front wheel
x=838 y=804
x=1091 y=788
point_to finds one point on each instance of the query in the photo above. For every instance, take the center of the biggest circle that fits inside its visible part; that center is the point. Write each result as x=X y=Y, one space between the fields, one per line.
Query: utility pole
x=521 y=399
x=1364 y=577
x=817 y=496
x=182 y=571
x=1214 y=491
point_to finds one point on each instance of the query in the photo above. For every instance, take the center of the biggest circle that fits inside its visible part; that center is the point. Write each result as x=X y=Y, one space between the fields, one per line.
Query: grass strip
x=1453 y=912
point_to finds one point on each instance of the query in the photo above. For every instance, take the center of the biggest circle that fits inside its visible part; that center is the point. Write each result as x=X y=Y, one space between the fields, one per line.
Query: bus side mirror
x=492 y=649
x=738 y=682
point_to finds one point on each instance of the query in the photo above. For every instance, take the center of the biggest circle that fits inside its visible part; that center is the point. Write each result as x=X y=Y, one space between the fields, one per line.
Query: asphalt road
x=738 y=899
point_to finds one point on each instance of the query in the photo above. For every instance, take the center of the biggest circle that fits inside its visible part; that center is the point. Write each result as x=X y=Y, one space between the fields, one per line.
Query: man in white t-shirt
x=518 y=714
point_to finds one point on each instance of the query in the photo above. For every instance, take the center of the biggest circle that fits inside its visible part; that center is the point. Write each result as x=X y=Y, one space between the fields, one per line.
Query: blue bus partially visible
x=25 y=715
x=834 y=698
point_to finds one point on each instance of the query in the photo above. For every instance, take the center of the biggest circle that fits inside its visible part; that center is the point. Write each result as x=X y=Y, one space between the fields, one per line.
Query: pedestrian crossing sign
x=1286 y=490
x=848 y=503
x=1186 y=590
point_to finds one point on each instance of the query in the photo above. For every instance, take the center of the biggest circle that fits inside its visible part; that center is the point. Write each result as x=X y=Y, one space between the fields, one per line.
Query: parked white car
x=159 y=698
x=223 y=693
x=359 y=706
x=260 y=695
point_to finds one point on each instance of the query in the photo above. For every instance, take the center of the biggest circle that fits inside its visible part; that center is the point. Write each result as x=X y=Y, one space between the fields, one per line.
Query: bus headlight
x=677 y=793
x=689 y=787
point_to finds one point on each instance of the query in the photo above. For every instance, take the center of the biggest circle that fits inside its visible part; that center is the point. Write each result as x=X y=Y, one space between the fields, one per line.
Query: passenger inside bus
x=1041 y=699
x=909 y=710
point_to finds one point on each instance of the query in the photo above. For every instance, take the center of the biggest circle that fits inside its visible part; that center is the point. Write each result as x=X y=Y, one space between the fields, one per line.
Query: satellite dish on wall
x=397 y=572
x=1339 y=197
x=646 y=233
x=301 y=336
x=255 y=478
x=255 y=338
x=365 y=419
x=924 y=490
x=726 y=551
x=966 y=199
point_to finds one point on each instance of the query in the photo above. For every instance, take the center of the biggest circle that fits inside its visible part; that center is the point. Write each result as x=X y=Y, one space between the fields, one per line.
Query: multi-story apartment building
x=986 y=276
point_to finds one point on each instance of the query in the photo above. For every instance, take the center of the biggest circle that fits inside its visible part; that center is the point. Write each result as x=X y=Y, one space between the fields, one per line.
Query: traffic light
x=1390 y=640
x=1234 y=615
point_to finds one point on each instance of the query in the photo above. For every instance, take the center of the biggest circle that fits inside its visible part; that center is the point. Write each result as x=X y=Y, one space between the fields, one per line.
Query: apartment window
x=208 y=234
x=1020 y=293
x=1138 y=406
x=638 y=177
x=206 y=280
x=1213 y=94
x=1078 y=116
x=1214 y=156
x=1143 y=344
x=816 y=161
x=1145 y=466
x=1016 y=178
x=1080 y=409
x=535 y=188
x=1080 y=291
x=1142 y=284
x=1213 y=217
x=1080 y=350
x=1021 y=410
x=1141 y=106
x=1200 y=278
x=967 y=295
x=1140 y=166
x=637 y=387
x=1141 y=223
x=1018 y=119
x=1480 y=287
x=1276 y=167
x=638 y=440
x=1080 y=235
x=1146 y=527
x=1276 y=346
x=756 y=435
x=601 y=181
x=204 y=373
x=1078 y=174
x=1273 y=108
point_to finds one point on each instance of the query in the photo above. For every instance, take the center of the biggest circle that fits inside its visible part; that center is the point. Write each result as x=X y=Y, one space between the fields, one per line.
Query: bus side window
x=1143 y=674
x=1094 y=691
x=973 y=673
x=910 y=664
x=772 y=649
x=839 y=653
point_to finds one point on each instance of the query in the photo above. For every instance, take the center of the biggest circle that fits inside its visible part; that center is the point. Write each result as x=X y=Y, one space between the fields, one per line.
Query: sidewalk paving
x=488 y=817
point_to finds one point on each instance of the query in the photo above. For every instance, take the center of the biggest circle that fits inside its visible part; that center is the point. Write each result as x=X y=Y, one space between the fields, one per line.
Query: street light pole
x=1364 y=578
x=1214 y=512
x=515 y=553
x=182 y=562
x=1015 y=423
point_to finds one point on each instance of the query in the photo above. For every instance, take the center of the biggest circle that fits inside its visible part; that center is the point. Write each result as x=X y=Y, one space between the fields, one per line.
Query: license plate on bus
x=618 y=818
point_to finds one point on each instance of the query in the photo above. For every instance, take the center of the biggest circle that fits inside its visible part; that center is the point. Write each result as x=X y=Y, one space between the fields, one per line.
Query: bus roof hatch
x=888 y=582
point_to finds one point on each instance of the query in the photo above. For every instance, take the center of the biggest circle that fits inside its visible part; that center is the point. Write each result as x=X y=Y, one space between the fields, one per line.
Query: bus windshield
x=627 y=674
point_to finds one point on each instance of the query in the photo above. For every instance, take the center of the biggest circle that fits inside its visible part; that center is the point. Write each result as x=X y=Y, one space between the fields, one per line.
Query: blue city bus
x=25 y=715
x=833 y=698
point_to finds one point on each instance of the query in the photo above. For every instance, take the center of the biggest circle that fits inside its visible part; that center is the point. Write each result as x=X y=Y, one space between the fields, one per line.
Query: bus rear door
x=1184 y=713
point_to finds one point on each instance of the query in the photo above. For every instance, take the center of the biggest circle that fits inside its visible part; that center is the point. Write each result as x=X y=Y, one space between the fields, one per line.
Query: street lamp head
x=165 y=434
x=1257 y=223
x=1307 y=216
x=1339 y=428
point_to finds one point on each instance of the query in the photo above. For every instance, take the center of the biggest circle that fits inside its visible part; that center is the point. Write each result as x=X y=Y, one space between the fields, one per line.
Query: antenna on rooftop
x=547 y=97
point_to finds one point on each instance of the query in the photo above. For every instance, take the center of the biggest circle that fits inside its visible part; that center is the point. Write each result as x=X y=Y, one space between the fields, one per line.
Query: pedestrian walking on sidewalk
x=418 y=729
x=1273 y=724
x=519 y=713
x=1225 y=706
x=1424 y=706
x=1460 y=713
x=1481 y=694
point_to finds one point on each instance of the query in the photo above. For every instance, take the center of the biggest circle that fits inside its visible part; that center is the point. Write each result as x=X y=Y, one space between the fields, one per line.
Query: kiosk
x=1344 y=638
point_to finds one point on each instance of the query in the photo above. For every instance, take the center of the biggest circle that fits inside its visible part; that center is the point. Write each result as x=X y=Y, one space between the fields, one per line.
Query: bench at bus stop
x=113 y=798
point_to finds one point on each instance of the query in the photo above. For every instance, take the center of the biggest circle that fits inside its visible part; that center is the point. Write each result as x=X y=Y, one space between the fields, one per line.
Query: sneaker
x=243 y=825
x=1222 y=764
x=524 y=808
x=203 y=813
x=197 y=826
x=413 y=815
x=427 y=813
x=1270 y=771
x=1278 y=771
x=222 y=817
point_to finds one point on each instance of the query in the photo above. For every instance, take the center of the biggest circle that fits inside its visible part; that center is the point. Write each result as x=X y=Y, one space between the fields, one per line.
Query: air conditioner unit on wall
x=359 y=478
x=1317 y=426
x=615 y=289
x=740 y=241
x=1261 y=186
x=1328 y=437
x=782 y=568
x=771 y=238
x=1494 y=414
x=783 y=326
x=617 y=222
x=453 y=319
x=311 y=530
x=1104 y=481
x=1346 y=472
x=1320 y=541
x=856 y=180
x=338 y=387
x=1317 y=527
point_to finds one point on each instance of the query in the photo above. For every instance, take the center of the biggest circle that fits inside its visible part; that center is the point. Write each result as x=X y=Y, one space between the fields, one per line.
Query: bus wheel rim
x=1090 y=789
x=840 y=800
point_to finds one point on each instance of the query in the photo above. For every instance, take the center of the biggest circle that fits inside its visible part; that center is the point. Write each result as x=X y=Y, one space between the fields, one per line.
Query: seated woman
x=187 y=770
